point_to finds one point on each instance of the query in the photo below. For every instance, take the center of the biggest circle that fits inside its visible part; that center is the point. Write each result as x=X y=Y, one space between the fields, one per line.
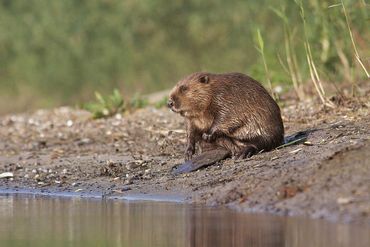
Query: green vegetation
x=106 y=106
x=60 y=52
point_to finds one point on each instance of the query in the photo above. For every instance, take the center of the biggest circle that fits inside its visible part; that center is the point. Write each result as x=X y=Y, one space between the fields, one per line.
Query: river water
x=58 y=221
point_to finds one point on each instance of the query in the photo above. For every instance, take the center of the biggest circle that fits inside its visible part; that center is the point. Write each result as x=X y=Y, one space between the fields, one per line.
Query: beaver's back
x=245 y=111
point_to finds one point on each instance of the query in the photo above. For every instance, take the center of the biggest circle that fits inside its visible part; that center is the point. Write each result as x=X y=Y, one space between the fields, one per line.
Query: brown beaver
x=230 y=111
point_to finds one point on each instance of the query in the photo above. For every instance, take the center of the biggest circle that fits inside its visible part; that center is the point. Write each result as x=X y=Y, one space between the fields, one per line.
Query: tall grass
x=330 y=47
x=292 y=67
x=261 y=50
x=353 y=41
x=311 y=64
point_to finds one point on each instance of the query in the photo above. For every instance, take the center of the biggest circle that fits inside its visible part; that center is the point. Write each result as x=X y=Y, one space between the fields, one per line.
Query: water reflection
x=41 y=221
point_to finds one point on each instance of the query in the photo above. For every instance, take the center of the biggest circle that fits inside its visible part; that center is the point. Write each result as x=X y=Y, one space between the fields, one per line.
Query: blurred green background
x=60 y=52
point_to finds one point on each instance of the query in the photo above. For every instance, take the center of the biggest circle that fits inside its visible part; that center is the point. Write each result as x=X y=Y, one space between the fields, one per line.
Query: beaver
x=231 y=111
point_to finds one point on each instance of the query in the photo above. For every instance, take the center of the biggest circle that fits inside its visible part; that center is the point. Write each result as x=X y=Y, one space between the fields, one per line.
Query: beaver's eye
x=183 y=88
x=204 y=79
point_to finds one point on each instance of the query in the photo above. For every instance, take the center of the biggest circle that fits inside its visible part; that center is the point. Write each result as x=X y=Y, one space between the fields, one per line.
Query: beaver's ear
x=204 y=79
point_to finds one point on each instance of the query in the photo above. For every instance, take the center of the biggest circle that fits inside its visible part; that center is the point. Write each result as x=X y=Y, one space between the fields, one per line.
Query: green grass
x=106 y=106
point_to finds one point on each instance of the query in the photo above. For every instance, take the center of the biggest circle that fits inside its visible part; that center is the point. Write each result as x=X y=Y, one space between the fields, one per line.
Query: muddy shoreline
x=64 y=151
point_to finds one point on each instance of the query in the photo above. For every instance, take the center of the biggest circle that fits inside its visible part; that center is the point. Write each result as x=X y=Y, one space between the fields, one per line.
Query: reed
x=292 y=67
x=261 y=50
x=311 y=64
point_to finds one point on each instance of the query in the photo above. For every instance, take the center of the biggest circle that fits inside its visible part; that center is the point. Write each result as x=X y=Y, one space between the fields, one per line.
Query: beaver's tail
x=296 y=138
x=202 y=160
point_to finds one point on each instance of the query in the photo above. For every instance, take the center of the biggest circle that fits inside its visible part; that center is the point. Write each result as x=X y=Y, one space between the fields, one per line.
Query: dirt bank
x=64 y=150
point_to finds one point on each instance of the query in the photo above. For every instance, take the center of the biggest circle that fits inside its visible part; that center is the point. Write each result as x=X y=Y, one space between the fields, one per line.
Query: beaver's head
x=192 y=95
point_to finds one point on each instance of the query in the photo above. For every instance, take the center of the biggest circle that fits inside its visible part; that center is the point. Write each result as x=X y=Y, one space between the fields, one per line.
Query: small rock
x=83 y=141
x=344 y=200
x=140 y=162
x=128 y=181
x=110 y=162
x=69 y=123
x=295 y=151
x=278 y=89
x=6 y=175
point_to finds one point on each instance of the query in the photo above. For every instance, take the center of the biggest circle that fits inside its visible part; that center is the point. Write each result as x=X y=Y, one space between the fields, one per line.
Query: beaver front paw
x=190 y=150
x=208 y=137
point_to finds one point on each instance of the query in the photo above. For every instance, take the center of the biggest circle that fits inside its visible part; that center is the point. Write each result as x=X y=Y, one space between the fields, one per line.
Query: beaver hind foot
x=248 y=151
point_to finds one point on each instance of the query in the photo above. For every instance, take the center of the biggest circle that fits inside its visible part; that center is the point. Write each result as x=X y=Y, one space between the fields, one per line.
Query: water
x=57 y=221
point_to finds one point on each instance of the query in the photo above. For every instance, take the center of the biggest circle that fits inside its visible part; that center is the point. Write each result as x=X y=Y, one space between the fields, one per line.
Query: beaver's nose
x=170 y=103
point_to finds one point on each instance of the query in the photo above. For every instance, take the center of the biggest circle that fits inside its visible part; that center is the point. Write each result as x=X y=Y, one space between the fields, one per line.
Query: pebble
x=69 y=123
x=128 y=181
x=140 y=162
x=344 y=200
x=6 y=175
